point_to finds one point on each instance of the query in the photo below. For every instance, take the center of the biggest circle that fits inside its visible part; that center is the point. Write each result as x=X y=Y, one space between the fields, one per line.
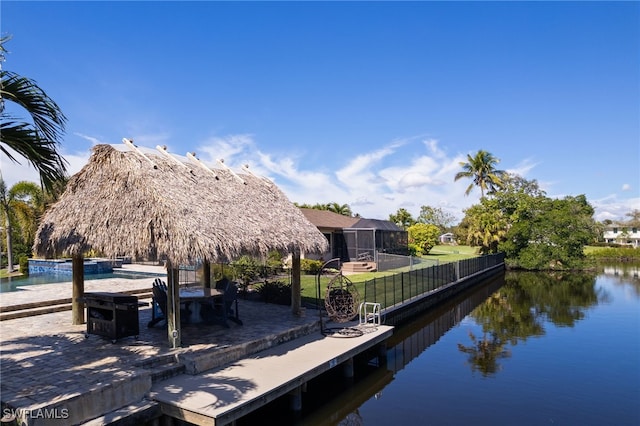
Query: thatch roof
x=124 y=202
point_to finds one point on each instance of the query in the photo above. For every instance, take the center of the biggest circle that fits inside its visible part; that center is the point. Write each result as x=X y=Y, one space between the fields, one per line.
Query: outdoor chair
x=221 y=309
x=159 y=304
x=230 y=299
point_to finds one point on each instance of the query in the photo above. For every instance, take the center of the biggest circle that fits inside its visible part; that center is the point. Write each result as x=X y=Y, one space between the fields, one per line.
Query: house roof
x=139 y=201
x=328 y=219
x=378 y=224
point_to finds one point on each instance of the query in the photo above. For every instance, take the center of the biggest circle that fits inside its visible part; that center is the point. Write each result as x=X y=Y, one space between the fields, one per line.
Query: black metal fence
x=387 y=261
x=394 y=289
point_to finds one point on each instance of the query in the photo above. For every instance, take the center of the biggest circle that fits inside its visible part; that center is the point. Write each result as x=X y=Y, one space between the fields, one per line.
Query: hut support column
x=77 y=307
x=296 y=289
x=173 y=306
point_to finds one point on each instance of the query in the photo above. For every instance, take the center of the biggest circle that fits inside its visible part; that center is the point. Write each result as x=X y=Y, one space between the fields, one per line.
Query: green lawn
x=626 y=253
x=441 y=253
x=5 y=274
x=446 y=253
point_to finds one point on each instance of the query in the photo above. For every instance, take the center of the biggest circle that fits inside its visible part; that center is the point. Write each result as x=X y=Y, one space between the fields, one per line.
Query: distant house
x=622 y=234
x=447 y=238
x=331 y=225
x=354 y=238
x=367 y=237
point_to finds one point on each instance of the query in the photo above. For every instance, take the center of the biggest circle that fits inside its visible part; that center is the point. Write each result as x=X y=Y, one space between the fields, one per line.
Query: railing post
x=384 y=283
x=375 y=287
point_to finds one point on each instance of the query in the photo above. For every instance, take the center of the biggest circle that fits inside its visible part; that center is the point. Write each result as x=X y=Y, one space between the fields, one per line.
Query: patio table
x=194 y=298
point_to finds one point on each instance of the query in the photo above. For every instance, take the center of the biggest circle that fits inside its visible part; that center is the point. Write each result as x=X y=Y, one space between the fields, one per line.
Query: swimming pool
x=12 y=284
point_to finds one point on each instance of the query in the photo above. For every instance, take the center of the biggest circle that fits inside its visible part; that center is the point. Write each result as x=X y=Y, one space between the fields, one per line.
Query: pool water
x=15 y=283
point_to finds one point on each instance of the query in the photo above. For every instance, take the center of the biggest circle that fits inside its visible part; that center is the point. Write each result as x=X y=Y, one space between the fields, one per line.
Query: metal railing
x=394 y=289
x=387 y=261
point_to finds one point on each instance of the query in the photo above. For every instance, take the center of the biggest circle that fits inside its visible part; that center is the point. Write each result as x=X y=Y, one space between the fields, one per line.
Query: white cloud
x=358 y=172
x=613 y=208
x=522 y=168
x=432 y=146
x=374 y=184
x=13 y=172
x=92 y=139
x=233 y=149
x=626 y=187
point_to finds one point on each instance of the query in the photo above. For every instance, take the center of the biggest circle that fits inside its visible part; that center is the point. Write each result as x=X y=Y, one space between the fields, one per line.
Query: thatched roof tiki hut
x=130 y=201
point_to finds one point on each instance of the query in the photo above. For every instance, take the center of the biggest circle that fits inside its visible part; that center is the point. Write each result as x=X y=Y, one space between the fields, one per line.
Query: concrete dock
x=50 y=374
x=227 y=393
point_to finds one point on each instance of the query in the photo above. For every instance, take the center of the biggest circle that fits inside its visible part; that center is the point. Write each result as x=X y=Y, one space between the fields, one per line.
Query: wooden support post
x=382 y=354
x=296 y=288
x=77 y=307
x=347 y=368
x=173 y=306
x=295 y=397
x=206 y=274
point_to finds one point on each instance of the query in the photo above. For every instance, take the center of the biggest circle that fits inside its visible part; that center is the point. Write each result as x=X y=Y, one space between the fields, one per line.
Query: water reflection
x=624 y=274
x=484 y=353
x=519 y=310
x=583 y=371
x=410 y=340
x=624 y=270
x=407 y=343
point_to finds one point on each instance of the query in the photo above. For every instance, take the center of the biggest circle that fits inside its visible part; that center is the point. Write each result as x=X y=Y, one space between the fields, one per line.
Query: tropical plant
x=310 y=266
x=277 y=292
x=485 y=226
x=342 y=209
x=36 y=141
x=436 y=216
x=533 y=230
x=424 y=236
x=402 y=218
x=21 y=207
x=552 y=235
x=481 y=168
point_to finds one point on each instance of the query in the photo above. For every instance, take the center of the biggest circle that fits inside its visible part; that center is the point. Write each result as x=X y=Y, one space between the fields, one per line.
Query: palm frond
x=48 y=119
x=41 y=153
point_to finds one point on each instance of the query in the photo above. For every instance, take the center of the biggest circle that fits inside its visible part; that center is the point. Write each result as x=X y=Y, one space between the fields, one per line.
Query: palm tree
x=402 y=218
x=22 y=204
x=342 y=209
x=481 y=168
x=37 y=140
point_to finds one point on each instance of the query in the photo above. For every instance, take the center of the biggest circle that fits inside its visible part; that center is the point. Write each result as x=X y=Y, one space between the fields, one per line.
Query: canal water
x=524 y=349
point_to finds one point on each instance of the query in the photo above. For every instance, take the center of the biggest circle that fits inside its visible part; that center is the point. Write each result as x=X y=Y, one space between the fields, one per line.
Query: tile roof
x=328 y=219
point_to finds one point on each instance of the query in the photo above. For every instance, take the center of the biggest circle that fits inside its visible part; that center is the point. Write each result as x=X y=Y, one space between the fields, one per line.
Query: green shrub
x=276 y=292
x=310 y=266
x=623 y=253
x=24 y=264
x=415 y=250
x=274 y=261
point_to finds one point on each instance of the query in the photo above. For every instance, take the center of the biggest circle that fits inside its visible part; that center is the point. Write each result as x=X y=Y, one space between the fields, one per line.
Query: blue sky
x=371 y=104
